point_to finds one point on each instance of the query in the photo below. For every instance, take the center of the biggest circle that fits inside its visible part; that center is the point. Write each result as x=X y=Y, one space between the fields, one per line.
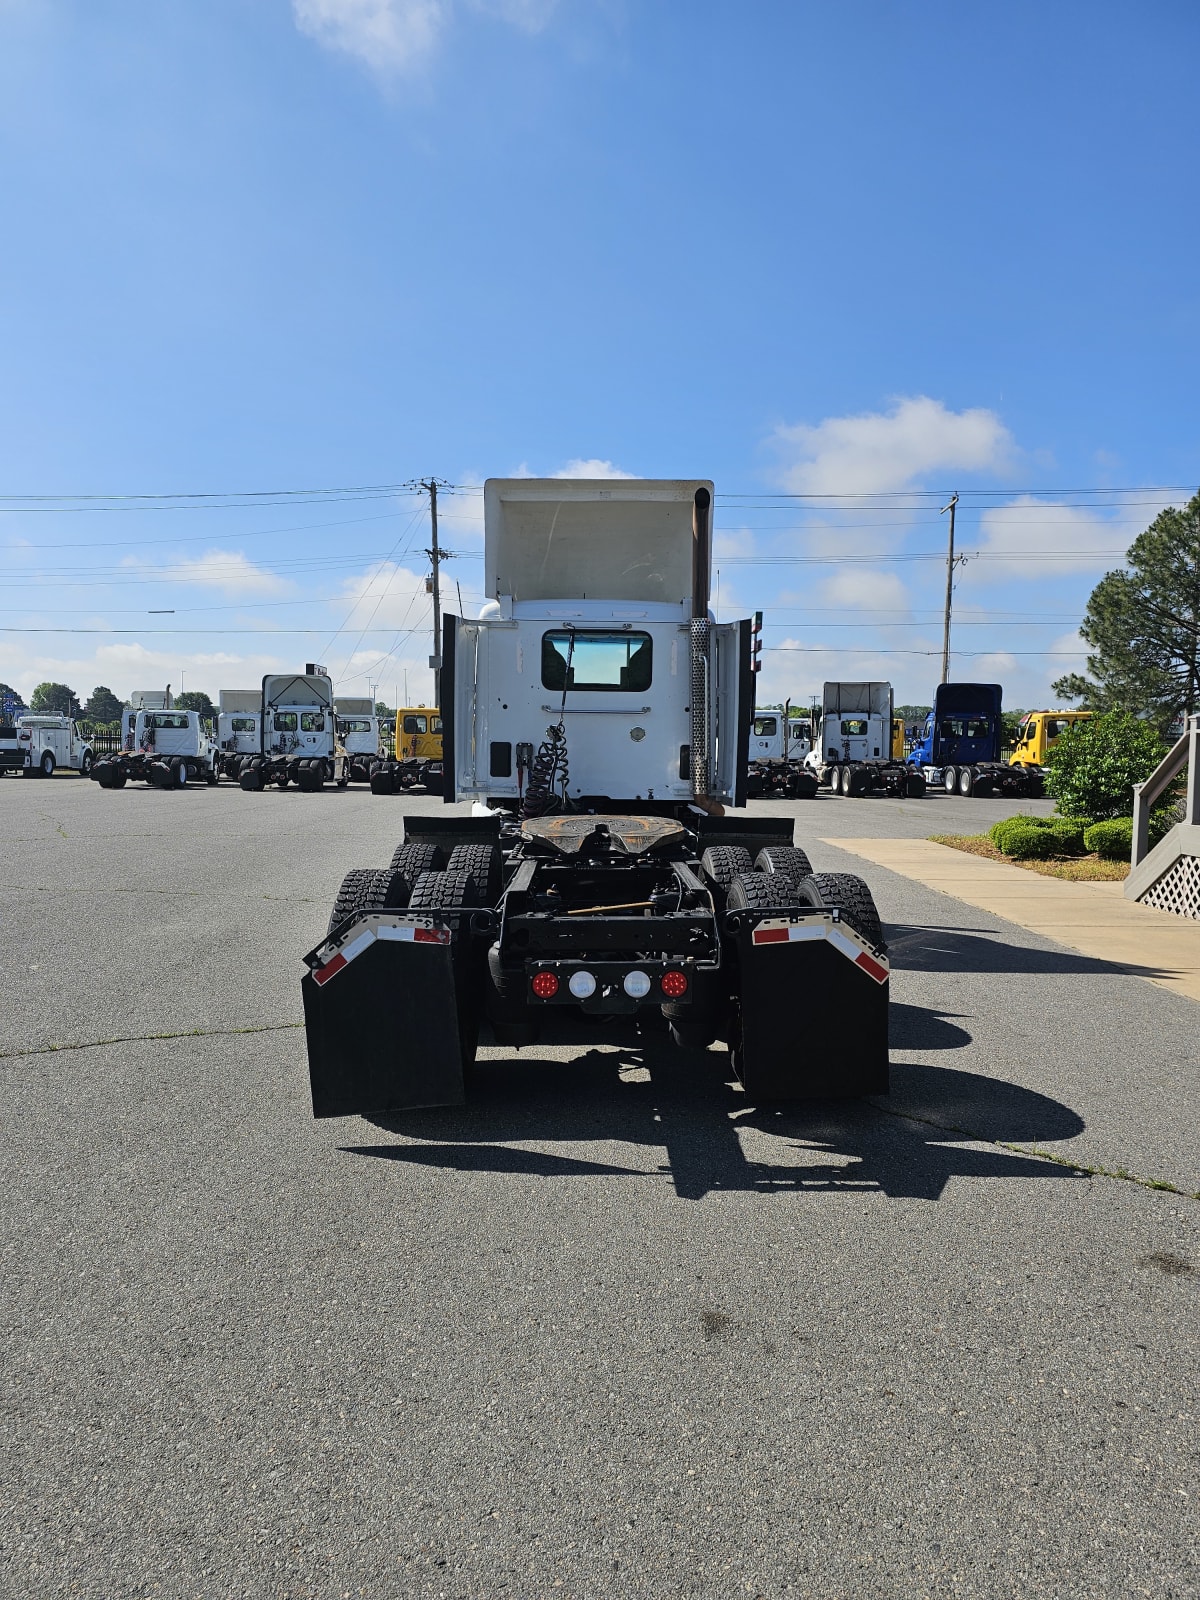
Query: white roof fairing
x=626 y=539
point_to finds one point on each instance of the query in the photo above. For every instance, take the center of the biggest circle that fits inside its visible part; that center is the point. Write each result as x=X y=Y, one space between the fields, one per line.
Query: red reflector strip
x=770 y=936
x=874 y=968
x=431 y=936
x=323 y=974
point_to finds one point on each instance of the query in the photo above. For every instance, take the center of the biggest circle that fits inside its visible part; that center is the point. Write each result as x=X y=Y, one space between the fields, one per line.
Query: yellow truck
x=1039 y=733
x=898 y=740
x=417 y=758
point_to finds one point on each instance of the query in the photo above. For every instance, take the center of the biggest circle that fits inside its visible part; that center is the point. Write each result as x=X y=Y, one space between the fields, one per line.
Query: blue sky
x=865 y=253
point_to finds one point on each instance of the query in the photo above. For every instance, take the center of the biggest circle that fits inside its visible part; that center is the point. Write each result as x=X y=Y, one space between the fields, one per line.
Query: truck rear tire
x=721 y=863
x=251 y=780
x=915 y=786
x=444 y=891
x=85 y=764
x=119 y=778
x=950 y=780
x=846 y=781
x=832 y=779
x=414 y=857
x=482 y=862
x=46 y=765
x=966 y=783
x=177 y=770
x=513 y=1020
x=368 y=889
x=786 y=860
x=762 y=891
x=102 y=772
x=844 y=892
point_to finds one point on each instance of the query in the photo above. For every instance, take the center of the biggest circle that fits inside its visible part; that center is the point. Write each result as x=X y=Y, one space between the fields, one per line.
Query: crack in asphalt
x=1088 y=1169
x=145 y=1038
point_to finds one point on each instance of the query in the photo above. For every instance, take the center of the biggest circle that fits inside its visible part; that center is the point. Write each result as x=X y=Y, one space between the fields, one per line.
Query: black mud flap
x=813 y=999
x=382 y=1026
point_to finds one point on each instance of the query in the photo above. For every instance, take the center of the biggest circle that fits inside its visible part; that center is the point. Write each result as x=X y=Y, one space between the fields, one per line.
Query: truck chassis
x=703 y=928
x=993 y=777
x=855 y=778
x=143 y=766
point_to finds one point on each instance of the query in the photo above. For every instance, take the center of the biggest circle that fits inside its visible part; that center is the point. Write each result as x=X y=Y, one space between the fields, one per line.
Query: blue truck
x=959 y=747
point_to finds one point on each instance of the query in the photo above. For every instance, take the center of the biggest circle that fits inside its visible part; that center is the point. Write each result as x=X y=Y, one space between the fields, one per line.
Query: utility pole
x=949 y=588
x=431 y=486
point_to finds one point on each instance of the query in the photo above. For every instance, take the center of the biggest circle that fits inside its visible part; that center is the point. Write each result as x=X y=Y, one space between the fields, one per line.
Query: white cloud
x=1030 y=538
x=865 y=588
x=400 y=36
x=385 y=596
x=591 y=468
x=388 y=35
x=227 y=570
x=877 y=451
x=124 y=666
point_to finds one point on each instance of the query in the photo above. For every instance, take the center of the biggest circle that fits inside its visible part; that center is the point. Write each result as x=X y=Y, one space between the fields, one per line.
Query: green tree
x=196 y=700
x=102 y=706
x=58 y=697
x=1144 y=626
x=1095 y=765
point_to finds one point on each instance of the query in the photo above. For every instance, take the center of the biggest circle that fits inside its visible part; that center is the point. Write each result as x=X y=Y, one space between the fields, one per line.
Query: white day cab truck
x=599 y=876
x=160 y=745
x=853 y=746
x=239 y=717
x=358 y=731
x=38 y=743
x=779 y=742
x=298 y=739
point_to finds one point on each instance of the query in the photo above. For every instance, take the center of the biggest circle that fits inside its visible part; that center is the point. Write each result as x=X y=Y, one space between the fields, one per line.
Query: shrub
x=1029 y=843
x=1070 y=831
x=1113 y=840
x=998 y=830
x=1095 y=765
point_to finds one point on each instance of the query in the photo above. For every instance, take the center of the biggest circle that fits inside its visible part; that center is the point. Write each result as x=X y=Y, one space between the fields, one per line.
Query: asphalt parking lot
x=607 y=1331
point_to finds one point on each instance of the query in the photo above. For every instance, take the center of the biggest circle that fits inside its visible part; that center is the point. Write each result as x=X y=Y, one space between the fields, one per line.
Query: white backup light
x=637 y=985
x=582 y=985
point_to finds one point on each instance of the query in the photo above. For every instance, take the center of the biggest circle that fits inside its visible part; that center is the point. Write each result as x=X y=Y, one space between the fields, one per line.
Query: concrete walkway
x=1094 y=918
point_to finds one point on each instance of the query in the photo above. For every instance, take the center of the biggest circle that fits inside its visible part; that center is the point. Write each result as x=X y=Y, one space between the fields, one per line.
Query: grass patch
x=1075 y=869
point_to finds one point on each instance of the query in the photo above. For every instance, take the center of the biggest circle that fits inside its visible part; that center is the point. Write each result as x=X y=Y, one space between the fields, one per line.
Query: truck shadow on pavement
x=984 y=950
x=647 y=1094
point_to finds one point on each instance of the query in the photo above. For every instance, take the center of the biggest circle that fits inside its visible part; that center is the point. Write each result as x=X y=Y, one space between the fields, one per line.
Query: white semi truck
x=358 y=730
x=780 y=739
x=239 y=718
x=162 y=746
x=853 y=749
x=298 y=738
x=598 y=718
x=38 y=743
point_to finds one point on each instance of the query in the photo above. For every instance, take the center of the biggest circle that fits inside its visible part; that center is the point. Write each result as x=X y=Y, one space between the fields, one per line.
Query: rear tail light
x=545 y=985
x=637 y=985
x=674 y=984
x=582 y=985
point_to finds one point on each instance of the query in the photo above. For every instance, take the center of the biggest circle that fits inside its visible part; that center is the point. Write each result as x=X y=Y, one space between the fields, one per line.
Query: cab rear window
x=597 y=661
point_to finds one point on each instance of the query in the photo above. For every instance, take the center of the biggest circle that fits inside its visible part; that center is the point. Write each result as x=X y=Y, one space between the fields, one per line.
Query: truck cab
x=962 y=729
x=418 y=734
x=239 y=727
x=1039 y=733
x=588 y=631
